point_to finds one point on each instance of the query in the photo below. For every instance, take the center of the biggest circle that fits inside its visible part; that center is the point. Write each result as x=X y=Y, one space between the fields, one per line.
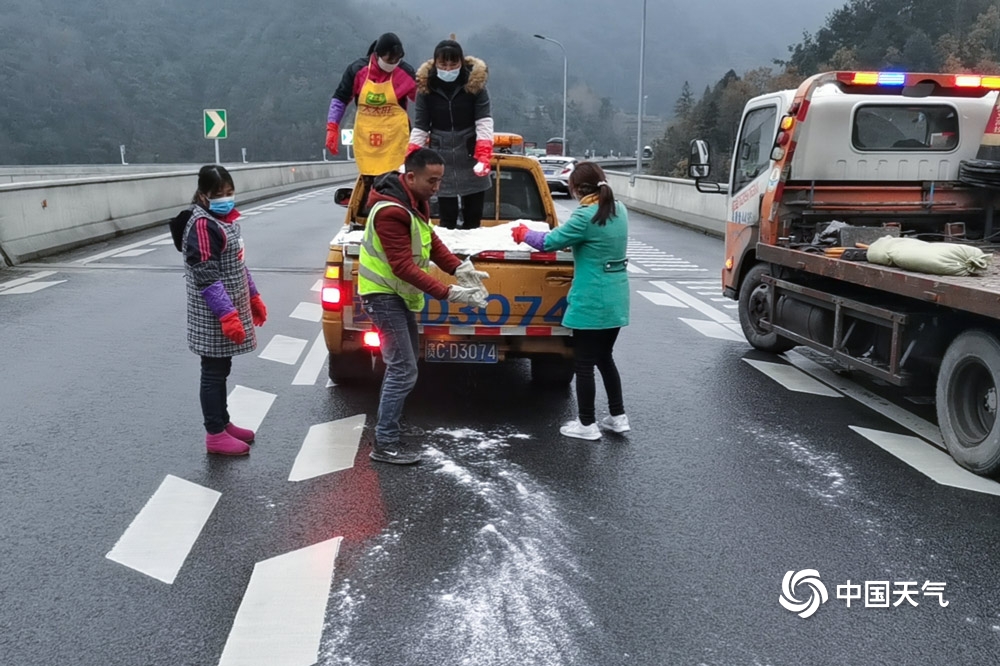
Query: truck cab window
x=884 y=127
x=756 y=138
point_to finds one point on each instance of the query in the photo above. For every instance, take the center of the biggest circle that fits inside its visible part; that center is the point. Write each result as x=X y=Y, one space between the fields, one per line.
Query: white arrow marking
x=792 y=378
x=162 y=534
x=929 y=461
x=218 y=124
x=329 y=447
x=280 y=620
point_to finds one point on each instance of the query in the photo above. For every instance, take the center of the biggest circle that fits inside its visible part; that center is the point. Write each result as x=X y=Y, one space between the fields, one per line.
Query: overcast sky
x=694 y=40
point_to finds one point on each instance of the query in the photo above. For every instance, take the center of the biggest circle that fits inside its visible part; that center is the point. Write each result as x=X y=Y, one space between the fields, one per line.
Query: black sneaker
x=407 y=429
x=396 y=454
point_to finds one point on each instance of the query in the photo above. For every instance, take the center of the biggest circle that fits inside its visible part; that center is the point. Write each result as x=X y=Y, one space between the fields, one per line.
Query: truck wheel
x=967 y=401
x=755 y=299
x=354 y=368
x=551 y=371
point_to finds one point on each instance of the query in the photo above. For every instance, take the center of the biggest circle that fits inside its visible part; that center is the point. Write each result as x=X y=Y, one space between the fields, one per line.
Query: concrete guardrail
x=47 y=216
x=673 y=199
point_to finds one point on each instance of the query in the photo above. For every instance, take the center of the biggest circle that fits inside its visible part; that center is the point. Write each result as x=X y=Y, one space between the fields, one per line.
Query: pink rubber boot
x=225 y=444
x=242 y=434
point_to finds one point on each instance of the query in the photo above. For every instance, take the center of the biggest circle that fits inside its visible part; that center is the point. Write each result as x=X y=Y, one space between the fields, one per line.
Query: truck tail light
x=335 y=292
x=371 y=340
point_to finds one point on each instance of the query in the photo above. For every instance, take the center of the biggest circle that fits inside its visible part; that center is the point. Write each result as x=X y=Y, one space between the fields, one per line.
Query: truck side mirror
x=698 y=163
x=342 y=195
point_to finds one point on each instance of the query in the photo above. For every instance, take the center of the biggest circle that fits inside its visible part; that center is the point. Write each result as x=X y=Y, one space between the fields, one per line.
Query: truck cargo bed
x=976 y=294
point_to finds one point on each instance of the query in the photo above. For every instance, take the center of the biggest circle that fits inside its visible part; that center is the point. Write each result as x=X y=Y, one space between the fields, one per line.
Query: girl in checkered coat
x=223 y=304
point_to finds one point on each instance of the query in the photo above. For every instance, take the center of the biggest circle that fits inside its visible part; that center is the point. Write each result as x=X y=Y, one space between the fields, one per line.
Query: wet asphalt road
x=509 y=544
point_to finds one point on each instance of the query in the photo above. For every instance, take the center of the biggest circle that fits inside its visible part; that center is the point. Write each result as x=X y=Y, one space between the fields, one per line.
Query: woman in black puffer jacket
x=452 y=116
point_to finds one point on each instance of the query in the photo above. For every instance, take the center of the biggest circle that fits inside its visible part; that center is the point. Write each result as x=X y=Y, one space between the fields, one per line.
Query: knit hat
x=388 y=44
x=449 y=50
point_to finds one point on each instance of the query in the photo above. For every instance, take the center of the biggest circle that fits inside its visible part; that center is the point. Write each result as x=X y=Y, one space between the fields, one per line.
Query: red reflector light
x=370 y=339
x=491 y=254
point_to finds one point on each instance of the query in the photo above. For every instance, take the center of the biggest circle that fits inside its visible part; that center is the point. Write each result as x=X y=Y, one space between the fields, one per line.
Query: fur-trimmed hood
x=477 y=69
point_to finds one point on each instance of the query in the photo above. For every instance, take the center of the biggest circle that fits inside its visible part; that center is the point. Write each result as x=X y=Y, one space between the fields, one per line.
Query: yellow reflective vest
x=375 y=275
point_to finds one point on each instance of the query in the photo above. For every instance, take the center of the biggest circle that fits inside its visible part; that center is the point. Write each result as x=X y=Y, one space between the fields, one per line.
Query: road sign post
x=216 y=127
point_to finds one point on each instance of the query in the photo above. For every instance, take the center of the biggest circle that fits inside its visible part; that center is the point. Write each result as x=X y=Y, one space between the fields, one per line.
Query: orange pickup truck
x=527 y=299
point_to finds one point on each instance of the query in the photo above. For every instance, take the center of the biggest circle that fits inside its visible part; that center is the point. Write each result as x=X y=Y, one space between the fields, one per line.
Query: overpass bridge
x=49 y=209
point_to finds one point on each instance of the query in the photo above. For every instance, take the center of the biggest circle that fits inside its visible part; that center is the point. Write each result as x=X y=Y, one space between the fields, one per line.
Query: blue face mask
x=448 y=75
x=222 y=206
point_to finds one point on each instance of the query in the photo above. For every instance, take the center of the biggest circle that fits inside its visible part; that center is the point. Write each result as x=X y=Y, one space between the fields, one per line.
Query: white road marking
x=695 y=303
x=712 y=329
x=661 y=299
x=164 y=531
x=329 y=447
x=875 y=402
x=792 y=378
x=632 y=268
x=318 y=286
x=138 y=253
x=311 y=367
x=25 y=280
x=329 y=383
x=929 y=461
x=29 y=288
x=248 y=407
x=119 y=250
x=713 y=283
x=165 y=241
x=308 y=311
x=284 y=349
x=681 y=270
x=280 y=620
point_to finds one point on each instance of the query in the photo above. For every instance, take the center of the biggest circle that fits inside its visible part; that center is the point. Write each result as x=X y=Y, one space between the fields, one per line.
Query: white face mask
x=386 y=67
x=448 y=75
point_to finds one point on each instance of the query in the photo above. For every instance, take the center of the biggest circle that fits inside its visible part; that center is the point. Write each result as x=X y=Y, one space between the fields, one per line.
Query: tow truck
x=879 y=153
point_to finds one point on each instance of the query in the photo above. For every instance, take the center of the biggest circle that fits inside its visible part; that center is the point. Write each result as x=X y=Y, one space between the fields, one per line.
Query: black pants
x=590 y=348
x=472 y=211
x=214 y=372
x=366 y=190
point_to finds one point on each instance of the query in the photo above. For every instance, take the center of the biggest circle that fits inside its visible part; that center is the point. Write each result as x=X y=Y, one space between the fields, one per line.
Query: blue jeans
x=397 y=327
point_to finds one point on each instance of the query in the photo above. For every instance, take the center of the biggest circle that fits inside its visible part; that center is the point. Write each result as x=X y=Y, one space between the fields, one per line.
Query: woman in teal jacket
x=597 y=232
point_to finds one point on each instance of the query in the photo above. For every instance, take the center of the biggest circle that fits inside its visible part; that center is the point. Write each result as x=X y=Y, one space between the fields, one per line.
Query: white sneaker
x=616 y=423
x=580 y=431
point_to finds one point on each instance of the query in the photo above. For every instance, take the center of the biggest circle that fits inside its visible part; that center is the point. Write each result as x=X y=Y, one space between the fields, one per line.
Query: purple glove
x=218 y=300
x=536 y=239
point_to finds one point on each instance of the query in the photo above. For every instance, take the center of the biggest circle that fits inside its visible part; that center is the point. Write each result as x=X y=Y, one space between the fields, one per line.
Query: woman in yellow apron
x=380 y=84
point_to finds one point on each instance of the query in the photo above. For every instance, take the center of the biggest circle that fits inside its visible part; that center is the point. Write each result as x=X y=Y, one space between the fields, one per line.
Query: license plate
x=461 y=352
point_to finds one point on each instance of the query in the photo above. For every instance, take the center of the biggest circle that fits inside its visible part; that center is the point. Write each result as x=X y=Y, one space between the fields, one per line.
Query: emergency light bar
x=901 y=79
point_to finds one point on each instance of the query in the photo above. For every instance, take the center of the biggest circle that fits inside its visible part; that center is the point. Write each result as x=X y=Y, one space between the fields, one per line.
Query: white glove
x=468 y=276
x=475 y=296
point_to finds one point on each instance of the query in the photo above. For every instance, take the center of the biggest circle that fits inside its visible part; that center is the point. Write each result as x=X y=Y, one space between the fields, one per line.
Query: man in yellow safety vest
x=393 y=276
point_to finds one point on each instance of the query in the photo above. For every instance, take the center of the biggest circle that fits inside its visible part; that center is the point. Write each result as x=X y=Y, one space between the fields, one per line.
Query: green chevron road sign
x=215 y=124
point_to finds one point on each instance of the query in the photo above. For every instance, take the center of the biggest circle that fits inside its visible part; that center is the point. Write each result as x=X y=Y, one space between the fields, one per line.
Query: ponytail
x=588 y=178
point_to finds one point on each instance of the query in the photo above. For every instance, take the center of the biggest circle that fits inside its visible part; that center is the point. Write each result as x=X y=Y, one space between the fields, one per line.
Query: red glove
x=258 y=310
x=412 y=147
x=232 y=327
x=519 y=233
x=332 y=137
x=483 y=153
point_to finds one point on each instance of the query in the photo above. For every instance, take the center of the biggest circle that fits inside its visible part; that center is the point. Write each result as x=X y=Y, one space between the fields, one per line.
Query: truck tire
x=551 y=371
x=967 y=401
x=354 y=368
x=755 y=297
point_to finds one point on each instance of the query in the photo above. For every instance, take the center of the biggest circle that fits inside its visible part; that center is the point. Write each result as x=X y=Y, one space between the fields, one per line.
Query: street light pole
x=565 y=141
x=642 y=59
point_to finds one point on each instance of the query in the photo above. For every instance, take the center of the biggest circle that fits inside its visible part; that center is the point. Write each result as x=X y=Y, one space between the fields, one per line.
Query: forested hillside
x=913 y=35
